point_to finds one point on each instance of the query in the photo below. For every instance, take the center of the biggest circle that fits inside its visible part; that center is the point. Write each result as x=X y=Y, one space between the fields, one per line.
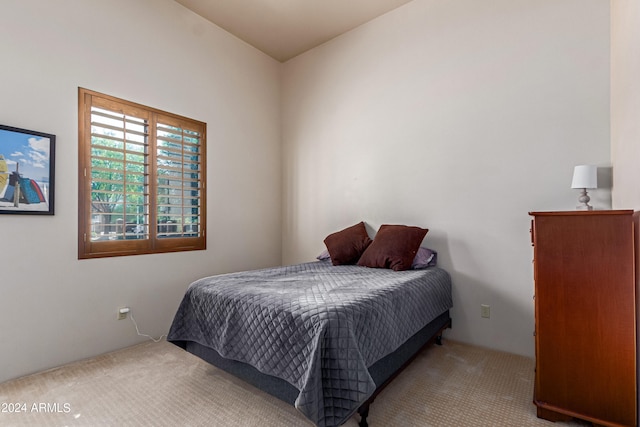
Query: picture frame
x=27 y=171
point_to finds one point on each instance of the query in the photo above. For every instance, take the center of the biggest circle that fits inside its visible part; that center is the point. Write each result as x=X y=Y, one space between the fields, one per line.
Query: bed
x=325 y=338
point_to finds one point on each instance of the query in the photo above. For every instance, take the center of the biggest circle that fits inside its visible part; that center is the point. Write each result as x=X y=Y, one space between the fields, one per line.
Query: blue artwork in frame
x=27 y=165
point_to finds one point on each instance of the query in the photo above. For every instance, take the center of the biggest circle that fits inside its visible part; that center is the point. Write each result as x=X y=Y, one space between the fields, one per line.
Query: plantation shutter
x=142 y=174
x=179 y=181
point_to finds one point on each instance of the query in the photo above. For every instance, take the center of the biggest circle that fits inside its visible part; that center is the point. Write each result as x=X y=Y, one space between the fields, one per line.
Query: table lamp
x=585 y=176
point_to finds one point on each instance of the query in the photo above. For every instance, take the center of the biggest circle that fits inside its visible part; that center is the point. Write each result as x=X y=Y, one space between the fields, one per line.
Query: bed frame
x=382 y=372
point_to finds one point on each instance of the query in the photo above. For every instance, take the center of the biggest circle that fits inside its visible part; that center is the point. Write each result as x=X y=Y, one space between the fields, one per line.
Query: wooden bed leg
x=439 y=340
x=364 y=413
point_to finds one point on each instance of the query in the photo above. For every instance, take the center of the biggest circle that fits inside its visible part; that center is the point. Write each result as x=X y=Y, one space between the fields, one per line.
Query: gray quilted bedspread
x=314 y=325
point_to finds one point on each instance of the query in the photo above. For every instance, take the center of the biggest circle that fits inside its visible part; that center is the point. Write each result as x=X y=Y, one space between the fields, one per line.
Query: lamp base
x=584 y=201
x=584 y=208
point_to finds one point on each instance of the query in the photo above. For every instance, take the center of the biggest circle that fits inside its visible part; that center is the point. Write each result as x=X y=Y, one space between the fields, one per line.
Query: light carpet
x=158 y=384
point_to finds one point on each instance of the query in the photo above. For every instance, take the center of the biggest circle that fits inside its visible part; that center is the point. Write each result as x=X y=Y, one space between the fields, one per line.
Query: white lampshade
x=585 y=176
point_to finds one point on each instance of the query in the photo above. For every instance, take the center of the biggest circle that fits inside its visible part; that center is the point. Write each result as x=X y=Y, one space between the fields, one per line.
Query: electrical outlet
x=485 y=311
x=122 y=313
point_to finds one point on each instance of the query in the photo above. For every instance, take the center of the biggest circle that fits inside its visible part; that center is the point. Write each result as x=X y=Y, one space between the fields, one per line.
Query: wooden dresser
x=585 y=314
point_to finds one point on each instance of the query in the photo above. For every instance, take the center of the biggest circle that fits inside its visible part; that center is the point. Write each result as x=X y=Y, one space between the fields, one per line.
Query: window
x=142 y=175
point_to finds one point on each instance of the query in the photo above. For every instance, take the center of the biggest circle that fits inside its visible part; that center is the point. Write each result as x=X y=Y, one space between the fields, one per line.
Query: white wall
x=459 y=116
x=55 y=308
x=625 y=103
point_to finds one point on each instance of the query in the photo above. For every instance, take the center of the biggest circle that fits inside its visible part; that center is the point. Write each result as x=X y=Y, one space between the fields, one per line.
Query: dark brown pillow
x=395 y=247
x=346 y=246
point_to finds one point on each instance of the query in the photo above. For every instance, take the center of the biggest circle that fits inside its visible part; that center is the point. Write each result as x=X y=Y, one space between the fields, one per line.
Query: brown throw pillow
x=346 y=246
x=394 y=247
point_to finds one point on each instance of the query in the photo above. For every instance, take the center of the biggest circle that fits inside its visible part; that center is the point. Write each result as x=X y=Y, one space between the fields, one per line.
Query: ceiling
x=285 y=28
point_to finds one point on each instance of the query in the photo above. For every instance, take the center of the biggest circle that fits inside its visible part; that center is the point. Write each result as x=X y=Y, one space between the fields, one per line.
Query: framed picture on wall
x=27 y=163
